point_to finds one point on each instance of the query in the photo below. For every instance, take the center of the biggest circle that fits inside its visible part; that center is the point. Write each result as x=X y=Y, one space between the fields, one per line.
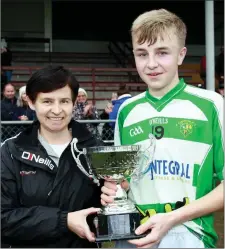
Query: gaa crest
x=186 y=127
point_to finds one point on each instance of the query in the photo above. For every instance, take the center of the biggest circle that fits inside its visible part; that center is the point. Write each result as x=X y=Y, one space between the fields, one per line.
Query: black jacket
x=37 y=196
x=8 y=109
x=24 y=110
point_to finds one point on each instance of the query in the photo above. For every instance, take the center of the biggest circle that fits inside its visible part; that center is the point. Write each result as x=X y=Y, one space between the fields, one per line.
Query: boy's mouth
x=154 y=74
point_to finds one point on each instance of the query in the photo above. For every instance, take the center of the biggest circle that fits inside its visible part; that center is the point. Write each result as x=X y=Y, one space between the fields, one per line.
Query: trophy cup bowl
x=118 y=220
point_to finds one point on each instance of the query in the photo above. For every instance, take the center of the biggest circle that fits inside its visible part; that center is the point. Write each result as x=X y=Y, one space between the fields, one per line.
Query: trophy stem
x=120 y=193
x=121 y=203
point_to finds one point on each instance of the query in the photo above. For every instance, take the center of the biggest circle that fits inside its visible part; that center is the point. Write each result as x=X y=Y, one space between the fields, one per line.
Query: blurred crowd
x=219 y=71
x=16 y=108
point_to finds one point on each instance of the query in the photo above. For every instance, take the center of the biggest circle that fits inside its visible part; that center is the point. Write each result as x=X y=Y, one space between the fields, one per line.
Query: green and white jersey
x=189 y=153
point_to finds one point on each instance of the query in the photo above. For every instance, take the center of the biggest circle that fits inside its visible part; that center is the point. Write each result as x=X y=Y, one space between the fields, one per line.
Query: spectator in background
x=219 y=70
x=107 y=130
x=203 y=70
x=114 y=96
x=86 y=111
x=23 y=111
x=6 y=60
x=3 y=82
x=123 y=94
x=8 y=103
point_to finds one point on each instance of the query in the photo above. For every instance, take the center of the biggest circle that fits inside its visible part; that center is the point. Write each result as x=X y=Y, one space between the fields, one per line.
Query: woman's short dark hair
x=49 y=79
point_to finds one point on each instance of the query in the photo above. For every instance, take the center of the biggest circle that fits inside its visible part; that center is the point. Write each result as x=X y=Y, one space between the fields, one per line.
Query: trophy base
x=105 y=238
x=117 y=226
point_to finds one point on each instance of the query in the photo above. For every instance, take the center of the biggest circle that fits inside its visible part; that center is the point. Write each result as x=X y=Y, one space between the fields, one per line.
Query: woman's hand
x=77 y=223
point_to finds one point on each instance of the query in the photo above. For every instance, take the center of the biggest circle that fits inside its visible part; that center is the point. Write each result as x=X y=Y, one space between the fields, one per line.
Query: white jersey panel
x=171 y=172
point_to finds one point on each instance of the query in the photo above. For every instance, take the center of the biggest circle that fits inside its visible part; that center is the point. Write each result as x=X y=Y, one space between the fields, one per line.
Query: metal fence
x=101 y=128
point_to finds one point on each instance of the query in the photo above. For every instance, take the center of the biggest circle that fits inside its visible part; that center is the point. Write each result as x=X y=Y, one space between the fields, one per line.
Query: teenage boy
x=177 y=194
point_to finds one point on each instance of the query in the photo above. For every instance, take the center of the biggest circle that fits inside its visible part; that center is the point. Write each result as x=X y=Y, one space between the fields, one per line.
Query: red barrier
x=132 y=80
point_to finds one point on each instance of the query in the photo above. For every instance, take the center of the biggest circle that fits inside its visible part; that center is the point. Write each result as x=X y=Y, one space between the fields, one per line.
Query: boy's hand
x=109 y=191
x=159 y=224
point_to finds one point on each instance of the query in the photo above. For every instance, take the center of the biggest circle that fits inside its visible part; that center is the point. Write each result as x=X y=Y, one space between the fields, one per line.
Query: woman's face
x=24 y=97
x=54 y=109
x=81 y=97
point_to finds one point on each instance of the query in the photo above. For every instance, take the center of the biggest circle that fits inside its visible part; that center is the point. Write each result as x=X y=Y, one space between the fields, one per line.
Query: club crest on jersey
x=186 y=127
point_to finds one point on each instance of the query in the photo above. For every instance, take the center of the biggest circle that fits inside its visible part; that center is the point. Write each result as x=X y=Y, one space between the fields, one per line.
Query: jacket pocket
x=35 y=186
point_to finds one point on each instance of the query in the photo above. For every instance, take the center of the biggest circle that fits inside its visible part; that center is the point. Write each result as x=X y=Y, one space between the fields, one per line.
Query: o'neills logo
x=30 y=156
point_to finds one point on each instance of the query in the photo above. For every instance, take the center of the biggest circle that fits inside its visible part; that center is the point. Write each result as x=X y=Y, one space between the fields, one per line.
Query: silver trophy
x=119 y=219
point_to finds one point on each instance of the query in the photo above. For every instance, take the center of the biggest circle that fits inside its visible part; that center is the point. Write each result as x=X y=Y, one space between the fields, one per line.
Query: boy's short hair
x=49 y=79
x=152 y=24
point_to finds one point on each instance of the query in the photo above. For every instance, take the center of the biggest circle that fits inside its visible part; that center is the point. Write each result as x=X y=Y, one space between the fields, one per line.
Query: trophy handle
x=77 y=160
x=146 y=157
x=148 y=153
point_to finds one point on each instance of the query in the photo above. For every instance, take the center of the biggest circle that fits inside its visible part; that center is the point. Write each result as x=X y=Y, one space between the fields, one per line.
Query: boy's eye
x=162 y=53
x=142 y=55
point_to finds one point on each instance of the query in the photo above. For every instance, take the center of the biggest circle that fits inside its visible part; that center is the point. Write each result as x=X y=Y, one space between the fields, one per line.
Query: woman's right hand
x=109 y=191
x=77 y=223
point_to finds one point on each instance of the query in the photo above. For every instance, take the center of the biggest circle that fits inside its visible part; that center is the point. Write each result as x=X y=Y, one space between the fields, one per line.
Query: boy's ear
x=182 y=55
x=30 y=103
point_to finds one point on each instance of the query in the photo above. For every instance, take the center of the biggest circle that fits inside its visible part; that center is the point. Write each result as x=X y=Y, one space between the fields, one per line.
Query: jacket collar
x=29 y=137
x=29 y=150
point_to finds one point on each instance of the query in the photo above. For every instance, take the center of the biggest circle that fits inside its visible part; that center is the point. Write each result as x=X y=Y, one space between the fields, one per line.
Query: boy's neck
x=60 y=137
x=159 y=93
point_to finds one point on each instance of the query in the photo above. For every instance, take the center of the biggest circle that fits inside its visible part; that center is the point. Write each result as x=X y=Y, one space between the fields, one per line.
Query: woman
x=86 y=111
x=23 y=111
x=45 y=197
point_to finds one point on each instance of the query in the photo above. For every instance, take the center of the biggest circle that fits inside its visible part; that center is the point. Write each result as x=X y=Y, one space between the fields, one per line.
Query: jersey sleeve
x=118 y=134
x=218 y=138
x=119 y=127
x=117 y=131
